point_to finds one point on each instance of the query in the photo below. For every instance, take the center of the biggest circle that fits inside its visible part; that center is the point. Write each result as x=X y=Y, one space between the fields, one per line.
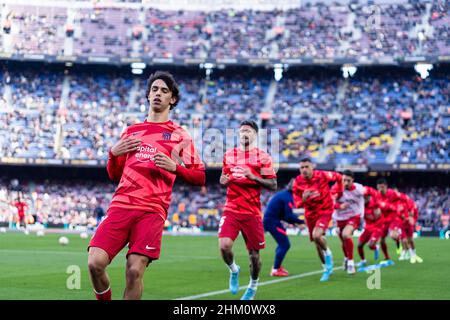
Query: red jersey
x=144 y=186
x=243 y=194
x=369 y=216
x=20 y=208
x=323 y=203
x=389 y=203
x=403 y=200
x=412 y=207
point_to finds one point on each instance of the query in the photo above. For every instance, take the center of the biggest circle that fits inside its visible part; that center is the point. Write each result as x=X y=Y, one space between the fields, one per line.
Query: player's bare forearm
x=270 y=184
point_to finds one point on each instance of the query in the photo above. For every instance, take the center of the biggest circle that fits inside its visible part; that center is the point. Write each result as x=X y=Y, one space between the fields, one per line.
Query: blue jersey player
x=280 y=209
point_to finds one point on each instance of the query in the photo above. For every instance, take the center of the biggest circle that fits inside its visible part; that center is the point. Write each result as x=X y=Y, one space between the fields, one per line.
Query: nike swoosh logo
x=150 y=248
x=261 y=243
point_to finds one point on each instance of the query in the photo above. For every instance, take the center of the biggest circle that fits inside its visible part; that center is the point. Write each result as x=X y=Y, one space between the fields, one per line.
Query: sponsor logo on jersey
x=145 y=153
x=237 y=172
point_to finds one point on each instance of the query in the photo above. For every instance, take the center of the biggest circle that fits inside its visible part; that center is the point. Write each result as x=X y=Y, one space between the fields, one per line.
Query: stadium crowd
x=312 y=30
x=37 y=122
x=72 y=204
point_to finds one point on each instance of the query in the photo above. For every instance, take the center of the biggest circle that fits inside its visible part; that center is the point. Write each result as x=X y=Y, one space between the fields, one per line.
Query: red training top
x=144 y=186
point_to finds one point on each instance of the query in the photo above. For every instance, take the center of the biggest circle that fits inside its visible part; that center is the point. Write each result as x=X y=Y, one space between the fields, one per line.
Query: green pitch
x=34 y=267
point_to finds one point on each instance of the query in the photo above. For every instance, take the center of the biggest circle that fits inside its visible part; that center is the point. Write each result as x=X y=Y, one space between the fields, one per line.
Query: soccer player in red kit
x=391 y=205
x=21 y=206
x=409 y=215
x=311 y=190
x=146 y=160
x=246 y=170
x=373 y=225
x=348 y=210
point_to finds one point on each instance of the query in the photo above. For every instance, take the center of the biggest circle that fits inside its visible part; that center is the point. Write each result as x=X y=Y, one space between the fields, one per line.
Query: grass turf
x=34 y=267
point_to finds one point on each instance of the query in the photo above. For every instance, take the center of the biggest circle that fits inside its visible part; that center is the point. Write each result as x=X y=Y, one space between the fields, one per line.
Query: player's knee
x=133 y=274
x=287 y=246
x=225 y=246
x=317 y=236
x=346 y=235
x=96 y=267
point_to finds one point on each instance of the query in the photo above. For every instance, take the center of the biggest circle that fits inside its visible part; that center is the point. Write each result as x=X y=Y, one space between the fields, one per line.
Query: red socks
x=348 y=245
x=105 y=295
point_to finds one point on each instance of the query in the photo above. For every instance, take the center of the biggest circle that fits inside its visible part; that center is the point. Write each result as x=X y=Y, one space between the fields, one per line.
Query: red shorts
x=141 y=230
x=353 y=221
x=372 y=234
x=250 y=225
x=392 y=225
x=407 y=229
x=320 y=221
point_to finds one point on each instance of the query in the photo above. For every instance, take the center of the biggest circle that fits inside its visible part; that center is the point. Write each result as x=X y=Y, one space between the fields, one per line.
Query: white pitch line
x=265 y=283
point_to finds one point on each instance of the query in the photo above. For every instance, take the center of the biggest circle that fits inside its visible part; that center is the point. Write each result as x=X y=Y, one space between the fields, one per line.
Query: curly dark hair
x=169 y=81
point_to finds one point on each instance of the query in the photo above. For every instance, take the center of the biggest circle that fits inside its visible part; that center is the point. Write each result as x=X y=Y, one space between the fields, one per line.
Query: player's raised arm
x=335 y=177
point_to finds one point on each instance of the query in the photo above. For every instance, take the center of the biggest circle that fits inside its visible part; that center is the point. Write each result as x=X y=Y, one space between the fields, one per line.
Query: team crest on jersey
x=166 y=135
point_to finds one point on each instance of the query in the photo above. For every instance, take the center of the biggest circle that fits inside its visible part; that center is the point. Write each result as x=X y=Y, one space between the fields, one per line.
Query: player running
x=349 y=208
x=279 y=209
x=390 y=203
x=146 y=160
x=409 y=216
x=21 y=207
x=246 y=170
x=311 y=191
x=373 y=226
